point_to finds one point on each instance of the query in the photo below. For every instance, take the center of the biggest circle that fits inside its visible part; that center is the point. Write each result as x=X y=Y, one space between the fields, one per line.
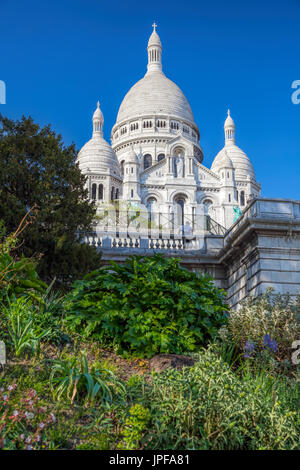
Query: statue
x=237 y=213
x=179 y=166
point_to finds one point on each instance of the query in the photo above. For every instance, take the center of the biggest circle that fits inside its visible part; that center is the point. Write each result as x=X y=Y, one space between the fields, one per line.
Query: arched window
x=94 y=191
x=131 y=193
x=147 y=161
x=151 y=207
x=160 y=157
x=134 y=127
x=122 y=167
x=112 y=193
x=100 y=191
x=207 y=206
x=179 y=211
x=117 y=193
x=242 y=196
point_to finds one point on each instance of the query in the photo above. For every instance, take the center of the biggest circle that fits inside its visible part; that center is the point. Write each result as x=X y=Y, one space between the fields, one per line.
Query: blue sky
x=58 y=58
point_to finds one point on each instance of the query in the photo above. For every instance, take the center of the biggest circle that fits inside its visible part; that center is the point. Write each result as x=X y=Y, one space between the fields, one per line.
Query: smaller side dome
x=232 y=155
x=97 y=156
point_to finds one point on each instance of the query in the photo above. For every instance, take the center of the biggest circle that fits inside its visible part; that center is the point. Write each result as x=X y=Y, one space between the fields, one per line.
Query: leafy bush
x=17 y=275
x=210 y=406
x=23 y=331
x=269 y=323
x=147 y=306
x=134 y=428
x=73 y=377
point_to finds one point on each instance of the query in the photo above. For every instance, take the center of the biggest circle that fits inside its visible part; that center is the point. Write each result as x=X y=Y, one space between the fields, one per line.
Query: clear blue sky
x=59 y=57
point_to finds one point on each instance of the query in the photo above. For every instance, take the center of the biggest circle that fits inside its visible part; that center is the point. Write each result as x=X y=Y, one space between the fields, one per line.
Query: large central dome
x=155 y=94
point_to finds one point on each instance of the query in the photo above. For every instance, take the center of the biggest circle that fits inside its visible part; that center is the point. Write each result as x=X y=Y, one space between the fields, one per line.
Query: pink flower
x=41 y=425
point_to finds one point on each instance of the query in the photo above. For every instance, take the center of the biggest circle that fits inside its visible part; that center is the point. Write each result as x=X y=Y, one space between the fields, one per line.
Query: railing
x=110 y=242
x=156 y=224
x=154 y=231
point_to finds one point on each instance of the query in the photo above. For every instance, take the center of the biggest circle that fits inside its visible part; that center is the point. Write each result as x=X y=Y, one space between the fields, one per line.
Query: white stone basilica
x=155 y=158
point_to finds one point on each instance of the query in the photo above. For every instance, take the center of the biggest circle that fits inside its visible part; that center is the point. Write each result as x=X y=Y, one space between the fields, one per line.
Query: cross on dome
x=154 y=26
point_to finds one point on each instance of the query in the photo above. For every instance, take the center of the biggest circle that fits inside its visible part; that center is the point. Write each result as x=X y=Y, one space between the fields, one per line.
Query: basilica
x=155 y=157
x=151 y=189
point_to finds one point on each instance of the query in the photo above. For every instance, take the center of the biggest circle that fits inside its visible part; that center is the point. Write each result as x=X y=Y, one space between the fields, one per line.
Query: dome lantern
x=154 y=51
x=229 y=129
x=98 y=121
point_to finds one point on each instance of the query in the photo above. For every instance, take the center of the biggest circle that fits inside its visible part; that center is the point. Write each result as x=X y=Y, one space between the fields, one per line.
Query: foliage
x=134 y=428
x=147 y=306
x=37 y=169
x=23 y=420
x=267 y=325
x=74 y=378
x=17 y=275
x=210 y=406
x=23 y=331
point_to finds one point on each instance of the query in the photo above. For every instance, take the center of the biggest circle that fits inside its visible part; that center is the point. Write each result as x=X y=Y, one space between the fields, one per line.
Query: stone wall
x=262 y=249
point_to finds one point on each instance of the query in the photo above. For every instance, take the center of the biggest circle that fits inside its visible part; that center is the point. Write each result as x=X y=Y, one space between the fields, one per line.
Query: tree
x=37 y=169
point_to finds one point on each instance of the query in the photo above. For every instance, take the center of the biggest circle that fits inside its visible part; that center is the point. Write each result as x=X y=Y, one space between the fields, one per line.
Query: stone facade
x=153 y=194
x=261 y=250
x=155 y=160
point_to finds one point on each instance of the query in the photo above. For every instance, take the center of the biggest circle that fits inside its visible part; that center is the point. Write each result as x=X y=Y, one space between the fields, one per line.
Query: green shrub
x=147 y=306
x=134 y=428
x=210 y=406
x=269 y=323
x=24 y=333
x=17 y=275
x=73 y=378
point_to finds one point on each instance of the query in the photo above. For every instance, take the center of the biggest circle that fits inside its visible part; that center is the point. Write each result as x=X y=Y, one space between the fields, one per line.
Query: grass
x=176 y=410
